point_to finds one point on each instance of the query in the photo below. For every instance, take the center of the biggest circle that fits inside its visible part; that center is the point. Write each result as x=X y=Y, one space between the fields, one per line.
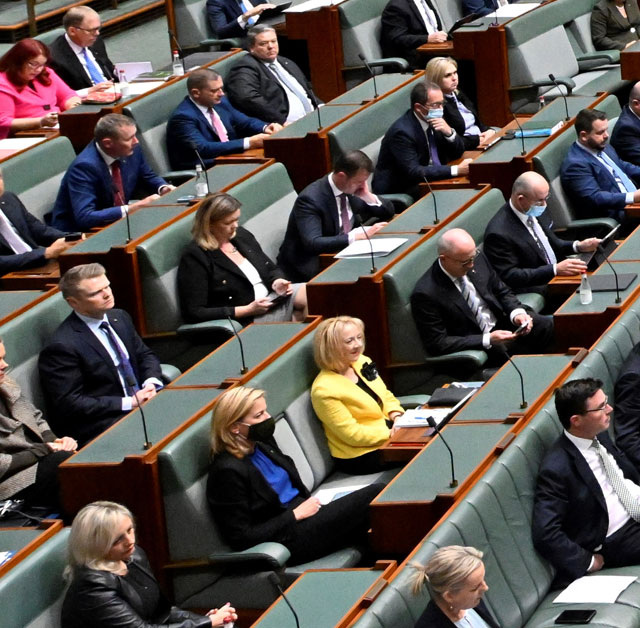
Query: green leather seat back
x=450 y=12
x=360 y=26
x=192 y=25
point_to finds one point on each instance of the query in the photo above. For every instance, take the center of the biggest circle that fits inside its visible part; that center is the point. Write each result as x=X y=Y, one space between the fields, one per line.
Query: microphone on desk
x=566 y=104
x=172 y=35
x=244 y=370
x=126 y=215
x=496 y=6
x=366 y=235
x=194 y=146
x=434 y=426
x=524 y=150
x=316 y=106
x=523 y=403
x=130 y=381
x=436 y=220
x=275 y=581
x=613 y=270
x=373 y=76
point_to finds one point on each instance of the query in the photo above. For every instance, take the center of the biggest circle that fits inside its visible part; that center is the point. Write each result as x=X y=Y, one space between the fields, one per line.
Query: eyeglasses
x=465 y=262
x=92 y=31
x=434 y=105
x=600 y=408
x=35 y=66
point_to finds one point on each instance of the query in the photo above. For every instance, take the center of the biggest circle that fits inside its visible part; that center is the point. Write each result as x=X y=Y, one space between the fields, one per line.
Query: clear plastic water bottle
x=122 y=83
x=176 y=64
x=585 y=290
x=541 y=102
x=201 y=182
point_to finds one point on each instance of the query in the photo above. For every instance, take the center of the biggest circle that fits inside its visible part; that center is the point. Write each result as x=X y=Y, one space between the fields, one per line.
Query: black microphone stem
x=373 y=76
x=524 y=403
x=131 y=382
x=317 y=108
x=179 y=47
x=515 y=118
x=434 y=426
x=366 y=235
x=204 y=168
x=244 y=370
x=436 y=220
x=615 y=274
x=566 y=104
x=273 y=578
x=126 y=217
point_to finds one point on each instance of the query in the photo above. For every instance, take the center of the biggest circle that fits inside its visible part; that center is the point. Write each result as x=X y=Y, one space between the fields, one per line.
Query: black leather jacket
x=102 y=599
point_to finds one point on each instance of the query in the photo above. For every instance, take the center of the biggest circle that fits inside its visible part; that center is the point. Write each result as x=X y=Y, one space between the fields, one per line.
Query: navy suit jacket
x=443 y=318
x=570 y=518
x=313 y=228
x=626 y=136
x=85 y=198
x=433 y=617
x=81 y=382
x=404 y=159
x=591 y=187
x=481 y=7
x=514 y=254
x=188 y=125
x=223 y=18
x=626 y=416
x=35 y=233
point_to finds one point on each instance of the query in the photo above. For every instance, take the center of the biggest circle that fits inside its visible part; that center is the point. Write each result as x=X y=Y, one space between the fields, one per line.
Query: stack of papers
x=594 y=590
x=419 y=416
x=362 y=248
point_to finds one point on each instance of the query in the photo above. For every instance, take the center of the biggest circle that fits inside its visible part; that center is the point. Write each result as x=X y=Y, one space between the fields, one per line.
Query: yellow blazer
x=353 y=421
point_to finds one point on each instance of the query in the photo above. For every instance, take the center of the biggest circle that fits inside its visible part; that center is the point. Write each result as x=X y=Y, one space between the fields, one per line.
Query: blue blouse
x=275 y=475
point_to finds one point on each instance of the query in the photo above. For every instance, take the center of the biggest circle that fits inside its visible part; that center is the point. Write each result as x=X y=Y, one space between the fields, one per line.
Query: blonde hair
x=447 y=570
x=231 y=407
x=437 y=68
x=93 y=533
x=327 y=342
x=213 y=208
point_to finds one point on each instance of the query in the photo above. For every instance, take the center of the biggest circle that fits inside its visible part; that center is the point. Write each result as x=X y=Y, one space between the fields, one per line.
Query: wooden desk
x=38 y=278
x=24 y=541
x=14 y=302
x=630 y=63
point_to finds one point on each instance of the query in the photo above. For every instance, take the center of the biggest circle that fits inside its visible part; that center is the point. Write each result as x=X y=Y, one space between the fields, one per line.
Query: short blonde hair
x=327 y=342
x=437 y=68
x=93 y=533
x=231 y=406
x=447 y=570
x=213 y=208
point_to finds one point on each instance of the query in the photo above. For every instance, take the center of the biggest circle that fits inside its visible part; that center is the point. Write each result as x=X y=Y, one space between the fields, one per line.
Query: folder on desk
x=607 y=283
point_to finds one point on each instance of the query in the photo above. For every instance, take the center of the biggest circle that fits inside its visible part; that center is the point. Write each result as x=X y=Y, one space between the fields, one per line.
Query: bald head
x=456 y=250
x=530 y=188
x=634 y=98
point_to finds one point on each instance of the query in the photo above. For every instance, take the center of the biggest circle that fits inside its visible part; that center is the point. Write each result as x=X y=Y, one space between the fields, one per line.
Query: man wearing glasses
x=79 y=57
x=461 y=303
x=587 y=501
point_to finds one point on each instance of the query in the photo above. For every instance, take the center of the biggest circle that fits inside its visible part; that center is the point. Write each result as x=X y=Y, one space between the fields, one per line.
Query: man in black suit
x=626 y=133
x=25 y=242
x=419 y=145
x=587 y=501
x=520 y=244
x=461 y=303
x=79 y=57
x=267 y=86
x=407 y=24
x=95 y=368
x=326 y=217
x=626 y=418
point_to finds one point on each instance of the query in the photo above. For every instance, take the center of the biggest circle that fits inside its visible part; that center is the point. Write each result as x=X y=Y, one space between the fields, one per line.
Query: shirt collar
x=202 y=108
x=421 y=122
x=72 y=44
x=332 y=185
x=581 y=443
x=107 y=158
x=454 y=279
x=92 y=323
x=522 y=217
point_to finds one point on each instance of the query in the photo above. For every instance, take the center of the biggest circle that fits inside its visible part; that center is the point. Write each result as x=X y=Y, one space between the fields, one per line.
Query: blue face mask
x=536 y=210
x=435 y=113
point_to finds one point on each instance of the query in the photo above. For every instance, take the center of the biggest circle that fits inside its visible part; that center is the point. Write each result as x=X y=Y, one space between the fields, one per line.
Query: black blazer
x=211 y=285
x=570 y=518
x=403 y=30
x=433 y=617
x=246 y=509
x=454 y=119
x=101 y=598
x=81 y=382
x=443 y=318
x=514 y=254
x=404 y=160
x=253 y=88
x=35 y=233
x=609 y=30
x=626 y=136
x=67 y=66
x=313 y=228
x=626 y=416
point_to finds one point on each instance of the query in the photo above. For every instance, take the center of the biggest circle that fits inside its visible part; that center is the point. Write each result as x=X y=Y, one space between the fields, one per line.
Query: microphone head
x=552 y=77
x=431 y=422
x=361 y=56
x=273 y=579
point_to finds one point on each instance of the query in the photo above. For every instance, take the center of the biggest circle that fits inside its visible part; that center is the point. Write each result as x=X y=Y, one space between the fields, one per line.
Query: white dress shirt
x=296 y=108
x=427 y=15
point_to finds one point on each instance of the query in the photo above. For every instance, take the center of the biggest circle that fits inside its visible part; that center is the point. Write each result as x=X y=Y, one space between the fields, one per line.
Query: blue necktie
x=124 y=366
x=245 y=7
x=293 y=85
x=618 y=173
x=94 y=71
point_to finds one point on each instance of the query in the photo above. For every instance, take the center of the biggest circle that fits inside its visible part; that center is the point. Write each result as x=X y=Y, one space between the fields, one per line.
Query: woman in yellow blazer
x=350 y=398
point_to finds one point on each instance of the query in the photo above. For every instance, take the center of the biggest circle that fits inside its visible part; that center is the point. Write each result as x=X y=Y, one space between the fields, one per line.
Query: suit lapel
x=452 y=294
x=584 y=471
x=204 y=123
x=525 y=236
x=330 y=204
x=89 y=338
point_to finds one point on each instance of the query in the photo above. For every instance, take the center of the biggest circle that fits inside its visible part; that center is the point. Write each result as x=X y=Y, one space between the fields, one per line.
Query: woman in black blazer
x=111 y=582
x=256 y=494
x=459 y=112
x=615 y=24
x=454 y=577
x=224 y=272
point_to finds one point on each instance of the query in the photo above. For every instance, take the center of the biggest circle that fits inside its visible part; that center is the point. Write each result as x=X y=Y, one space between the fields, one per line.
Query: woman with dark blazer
x=224 y=272
x=615 y=24
x=454 y=577
x=256 y=494
x=459 y=112
x=111 y=583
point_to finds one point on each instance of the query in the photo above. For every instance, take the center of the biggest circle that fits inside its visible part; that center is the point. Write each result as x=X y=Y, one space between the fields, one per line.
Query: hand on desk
x=166 y=188
x=66 y=443
x=307 y=508
x=463 y=167
x=100 y=87
x=437 y=38
x=570 y=266
x=57 y=247
x=143 y=202
x=274 y=127
x=371 y=231
x=486 y=136
x=257 y=141
x=143 y=395
x=49 y=120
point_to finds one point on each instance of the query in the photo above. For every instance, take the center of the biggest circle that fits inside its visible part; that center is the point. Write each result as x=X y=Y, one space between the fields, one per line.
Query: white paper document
x=594 y=590
x=135 y=89
x=419 y=416
x=514 y=10
x=312 y=5
x=20 y=143
x=327 y=495
x=362 y=248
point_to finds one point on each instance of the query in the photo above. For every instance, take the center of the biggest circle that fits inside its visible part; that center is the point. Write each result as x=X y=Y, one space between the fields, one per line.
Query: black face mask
x=262 y=431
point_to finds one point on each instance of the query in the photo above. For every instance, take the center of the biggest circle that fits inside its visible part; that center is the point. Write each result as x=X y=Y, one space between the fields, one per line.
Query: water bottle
x=201 y=182
x=585 y=290
x=176 y=64
x=122 y=83
x=541 y=102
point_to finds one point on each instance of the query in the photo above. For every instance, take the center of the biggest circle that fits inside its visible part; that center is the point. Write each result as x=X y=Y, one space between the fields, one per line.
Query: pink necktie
x=218 y=127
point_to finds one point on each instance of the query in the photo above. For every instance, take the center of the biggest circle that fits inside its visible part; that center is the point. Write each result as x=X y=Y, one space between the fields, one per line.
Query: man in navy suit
x=206 y=121
x=481 y=7
x=95 y=368
x=25 y=242
x=419 y=145
x=626 y=133
x=596 y=180
x=626 y=422
x=267 y=86
x=232 y=18
x=407 y=24
x=520 y=244
x=587 y=501
x=96 y=189
x=326 y=216
x=460 y=303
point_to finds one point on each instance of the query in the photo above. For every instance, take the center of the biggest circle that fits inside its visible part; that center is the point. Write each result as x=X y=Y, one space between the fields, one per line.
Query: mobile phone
x=582 y=616
x=73 y=237
x=186 y=199
x=521 y=329
x=277 y=299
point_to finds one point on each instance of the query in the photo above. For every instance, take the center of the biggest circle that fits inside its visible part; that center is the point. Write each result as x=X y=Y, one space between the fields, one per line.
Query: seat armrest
x=223 y=44
x=221 y=324
x=401 y=200
x=178 y=175
x=476 y=357
x=587 y=228
x=608 y=56
x=390 y=62
x=275 y=555
x=169 y=373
